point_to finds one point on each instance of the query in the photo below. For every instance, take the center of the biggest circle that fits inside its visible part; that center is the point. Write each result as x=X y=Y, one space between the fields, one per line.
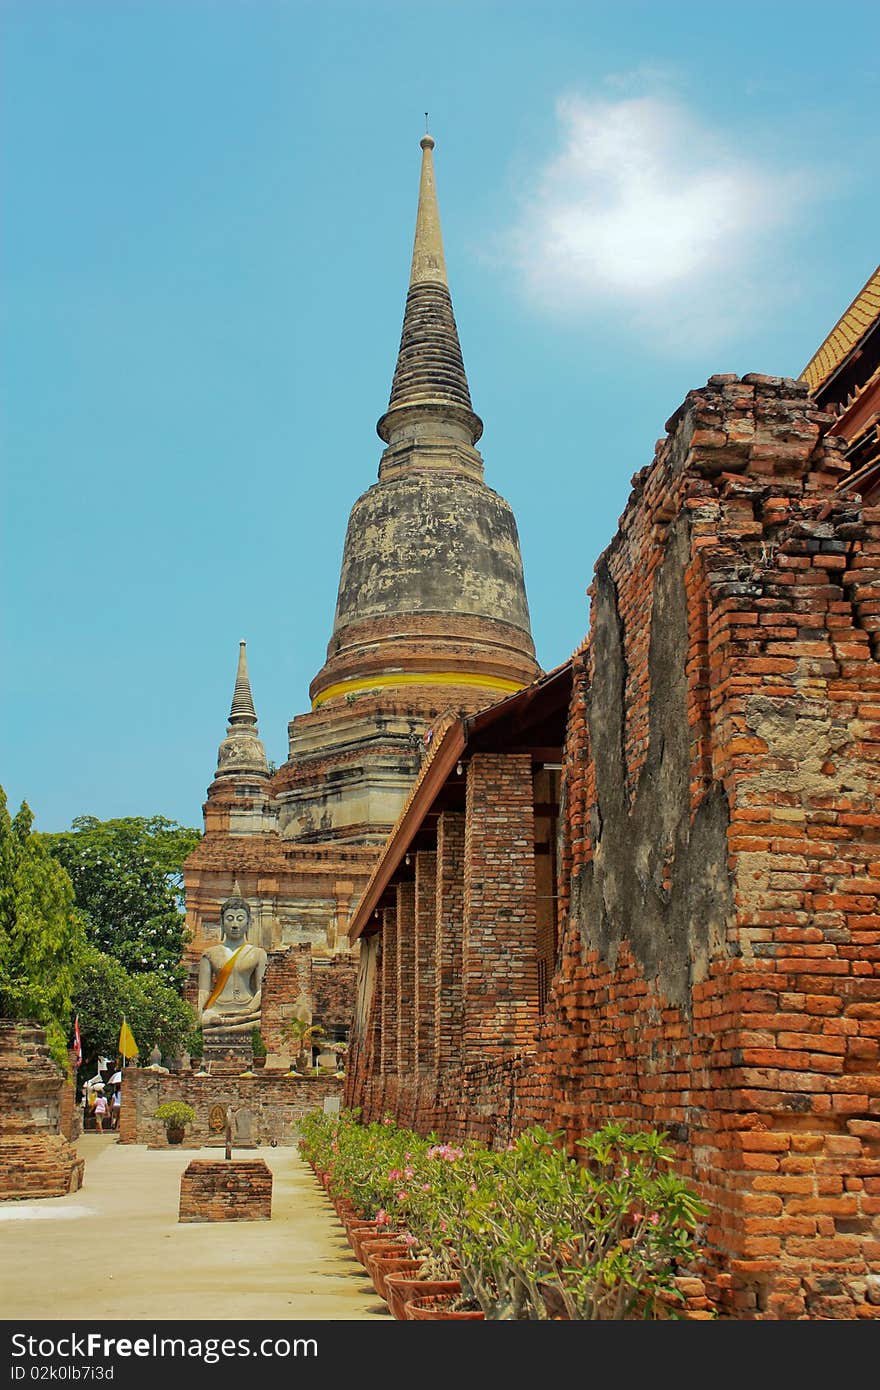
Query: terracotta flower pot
x=379 y=1245
x=361 y=1240
x=400 y=1288
x=439 y=1306
x=353 y=1234
x=383 y=1262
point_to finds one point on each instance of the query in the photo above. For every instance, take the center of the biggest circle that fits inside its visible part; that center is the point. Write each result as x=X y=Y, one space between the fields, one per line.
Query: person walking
x=100 y=1111
x=115 y=1107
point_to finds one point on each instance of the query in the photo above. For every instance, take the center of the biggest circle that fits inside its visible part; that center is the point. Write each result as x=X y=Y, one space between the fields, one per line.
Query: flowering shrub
x=532 y=1232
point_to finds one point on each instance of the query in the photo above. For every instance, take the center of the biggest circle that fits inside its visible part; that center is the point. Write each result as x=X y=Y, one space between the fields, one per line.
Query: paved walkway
x=115 y=1249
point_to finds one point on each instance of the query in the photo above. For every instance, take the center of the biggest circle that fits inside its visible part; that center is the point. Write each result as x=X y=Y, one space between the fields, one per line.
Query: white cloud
x=646 y=208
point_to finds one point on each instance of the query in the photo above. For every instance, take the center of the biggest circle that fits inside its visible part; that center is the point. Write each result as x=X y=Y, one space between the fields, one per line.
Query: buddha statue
x=231 y=974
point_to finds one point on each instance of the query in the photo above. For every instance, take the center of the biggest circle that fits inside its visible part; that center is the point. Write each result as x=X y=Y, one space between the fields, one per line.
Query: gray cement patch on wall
x=657 y=879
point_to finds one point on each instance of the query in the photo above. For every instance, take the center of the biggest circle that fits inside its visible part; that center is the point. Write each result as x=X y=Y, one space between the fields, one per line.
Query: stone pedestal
x=223 y=1046
x=226 y=1190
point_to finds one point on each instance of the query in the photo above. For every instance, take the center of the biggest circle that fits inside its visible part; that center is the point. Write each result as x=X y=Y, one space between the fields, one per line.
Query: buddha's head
x=235 y=917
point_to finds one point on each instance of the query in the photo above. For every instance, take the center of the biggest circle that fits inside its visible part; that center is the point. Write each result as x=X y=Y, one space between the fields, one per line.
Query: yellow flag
x=128 y=1048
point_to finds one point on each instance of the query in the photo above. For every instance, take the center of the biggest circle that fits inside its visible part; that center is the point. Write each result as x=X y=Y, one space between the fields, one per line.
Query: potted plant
x=175 y=1116
x=331 y=1057
x=259 y=1047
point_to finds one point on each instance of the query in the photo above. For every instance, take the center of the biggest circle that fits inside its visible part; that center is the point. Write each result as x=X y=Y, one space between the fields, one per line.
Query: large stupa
x=431 y=616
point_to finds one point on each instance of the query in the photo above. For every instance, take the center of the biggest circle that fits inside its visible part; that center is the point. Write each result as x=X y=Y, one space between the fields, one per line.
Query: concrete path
x=115 y=1249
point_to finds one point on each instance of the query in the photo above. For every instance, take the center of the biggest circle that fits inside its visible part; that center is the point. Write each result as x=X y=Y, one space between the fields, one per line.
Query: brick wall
x=36 y=1156
x=426 y=958
x=406 y=977
x=500 y=980
x=288 y=975
x=719 y=862
x=334 y=986
x=272 y=1104
x=389 y=992
x=226 y=1190
x=449 y=939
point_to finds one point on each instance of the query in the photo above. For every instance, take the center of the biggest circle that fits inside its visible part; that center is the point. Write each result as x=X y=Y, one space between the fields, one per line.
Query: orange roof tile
x=850 y=328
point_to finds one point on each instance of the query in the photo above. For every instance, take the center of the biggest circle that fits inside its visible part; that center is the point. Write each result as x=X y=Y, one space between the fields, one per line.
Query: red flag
x=77 y=1043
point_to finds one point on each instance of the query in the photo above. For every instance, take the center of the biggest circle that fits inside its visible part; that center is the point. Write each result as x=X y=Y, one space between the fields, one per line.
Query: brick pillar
x=426 y=957
x=500 y=946
x=373 y=1050
x=449 y=939
x=389 y=991
x=406 y=977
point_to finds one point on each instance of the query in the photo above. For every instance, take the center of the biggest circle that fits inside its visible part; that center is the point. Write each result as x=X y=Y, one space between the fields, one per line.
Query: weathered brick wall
x=500 y=976
x=288 y=975
x=334 y=987
x=724 y=885
x=449 y=940
x=233 y=1189
x=389 y=993
x=36 y=1156
x=720 y=870
x=406 y=977
x=426 y=958
x=272 y=1103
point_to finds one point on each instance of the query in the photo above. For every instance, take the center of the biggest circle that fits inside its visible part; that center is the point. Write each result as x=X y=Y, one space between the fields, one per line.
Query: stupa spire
x=428 y=261
x=430 y=390
x=242 y=750
x=242 y=711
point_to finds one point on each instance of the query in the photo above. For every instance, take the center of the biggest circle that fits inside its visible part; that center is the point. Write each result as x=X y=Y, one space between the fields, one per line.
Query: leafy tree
x=41 y=932
x=105 y=991
x=128 y=880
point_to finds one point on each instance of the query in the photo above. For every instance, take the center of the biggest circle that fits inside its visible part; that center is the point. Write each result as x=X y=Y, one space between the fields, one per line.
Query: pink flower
x=654 y=1218
x=409 y=1172
x=401 y=1196
x=381 y=1217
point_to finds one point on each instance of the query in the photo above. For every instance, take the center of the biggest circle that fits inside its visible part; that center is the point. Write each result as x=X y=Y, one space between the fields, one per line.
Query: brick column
x=500 y=948
x=449 y=919
x=426 y=957
x=406 y=977
x=389 y=991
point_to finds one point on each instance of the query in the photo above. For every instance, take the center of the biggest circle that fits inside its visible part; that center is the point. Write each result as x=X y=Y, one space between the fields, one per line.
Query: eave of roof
x=845 y=336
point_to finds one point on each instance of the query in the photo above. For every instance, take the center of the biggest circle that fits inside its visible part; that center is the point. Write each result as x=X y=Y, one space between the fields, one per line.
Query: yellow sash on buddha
x=222 y=976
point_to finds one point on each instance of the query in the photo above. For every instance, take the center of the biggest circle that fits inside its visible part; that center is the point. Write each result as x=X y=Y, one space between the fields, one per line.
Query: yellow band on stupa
x=353 y=687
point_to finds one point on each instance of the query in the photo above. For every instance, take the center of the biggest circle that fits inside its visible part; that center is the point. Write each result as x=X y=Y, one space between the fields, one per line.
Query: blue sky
x=206 y=219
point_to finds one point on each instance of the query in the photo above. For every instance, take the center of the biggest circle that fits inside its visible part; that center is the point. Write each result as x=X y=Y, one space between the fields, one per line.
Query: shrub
x=175 y=1114
x=532 y=1231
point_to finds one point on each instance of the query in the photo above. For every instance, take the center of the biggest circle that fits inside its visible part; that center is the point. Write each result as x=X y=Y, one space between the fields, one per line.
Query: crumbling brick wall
x=37 y=1158
x=722 y=853
x=717 y=975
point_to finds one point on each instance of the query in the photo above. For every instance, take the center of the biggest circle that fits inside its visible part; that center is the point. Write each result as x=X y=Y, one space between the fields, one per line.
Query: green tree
x=105 y=991
x=128 y=881
x=41 y=931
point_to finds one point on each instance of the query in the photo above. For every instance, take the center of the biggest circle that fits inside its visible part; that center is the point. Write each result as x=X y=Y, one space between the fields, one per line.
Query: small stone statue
x=231 y=974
